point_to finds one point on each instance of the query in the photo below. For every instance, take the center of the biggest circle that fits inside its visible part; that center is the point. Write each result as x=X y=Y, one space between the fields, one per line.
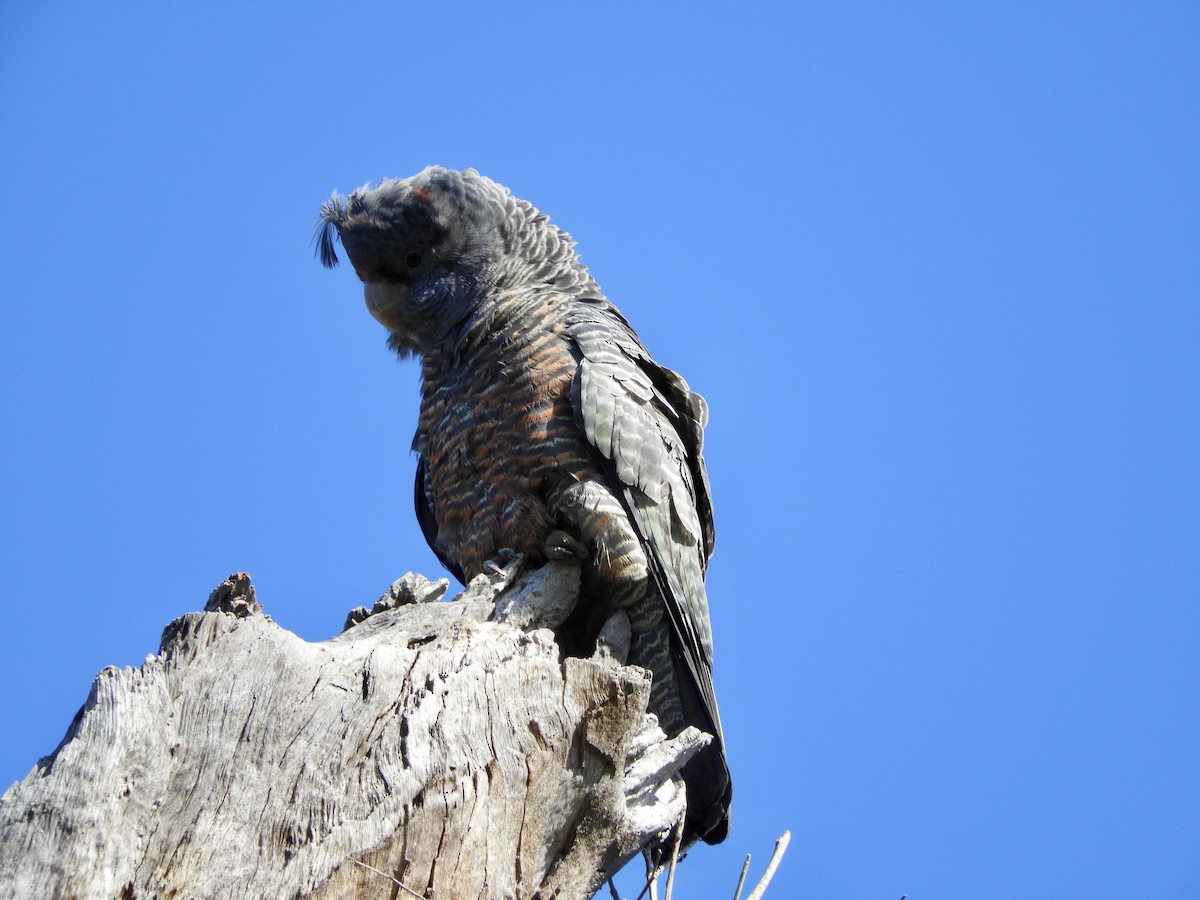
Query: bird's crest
x=333 y=213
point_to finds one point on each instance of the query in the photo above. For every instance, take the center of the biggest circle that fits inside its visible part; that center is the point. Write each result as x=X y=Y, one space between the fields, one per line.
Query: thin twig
x=612 y=889
x=737 y=895
x=780 y=847
x=651 y=875
x=391 y=878
x=674 y=857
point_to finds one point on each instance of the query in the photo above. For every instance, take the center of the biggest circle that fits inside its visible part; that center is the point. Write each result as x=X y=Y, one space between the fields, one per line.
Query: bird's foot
x=506 y=565
x=560 y=545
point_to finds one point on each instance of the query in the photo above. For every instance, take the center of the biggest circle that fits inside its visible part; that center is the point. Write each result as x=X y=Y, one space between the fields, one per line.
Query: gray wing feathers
x=631 y=420
x=620 y=422
x=648 y=425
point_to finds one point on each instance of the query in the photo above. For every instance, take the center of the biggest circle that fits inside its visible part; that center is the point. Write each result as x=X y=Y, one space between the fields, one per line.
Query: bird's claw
x=560 y=545
x=506 y=564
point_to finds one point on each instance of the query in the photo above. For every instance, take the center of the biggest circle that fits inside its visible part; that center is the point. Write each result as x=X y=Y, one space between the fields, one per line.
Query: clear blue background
x=935 y=266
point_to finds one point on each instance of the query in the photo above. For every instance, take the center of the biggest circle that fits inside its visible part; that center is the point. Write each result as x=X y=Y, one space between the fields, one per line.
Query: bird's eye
x=413 y=259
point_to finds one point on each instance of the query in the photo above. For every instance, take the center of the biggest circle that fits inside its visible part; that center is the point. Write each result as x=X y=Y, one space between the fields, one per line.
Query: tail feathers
x=706 y=775
x=709 y=793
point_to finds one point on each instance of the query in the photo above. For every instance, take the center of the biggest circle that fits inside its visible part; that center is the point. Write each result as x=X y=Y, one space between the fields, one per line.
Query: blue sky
x=934 y=266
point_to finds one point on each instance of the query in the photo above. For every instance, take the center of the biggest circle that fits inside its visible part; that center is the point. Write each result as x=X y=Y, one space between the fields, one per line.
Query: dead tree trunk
x=436 y=749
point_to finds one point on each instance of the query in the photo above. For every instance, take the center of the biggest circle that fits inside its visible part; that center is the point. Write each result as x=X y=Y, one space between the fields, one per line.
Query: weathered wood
x=428 y=745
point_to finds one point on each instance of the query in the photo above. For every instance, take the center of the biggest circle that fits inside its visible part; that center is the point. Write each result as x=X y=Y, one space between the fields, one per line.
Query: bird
x=546 y=428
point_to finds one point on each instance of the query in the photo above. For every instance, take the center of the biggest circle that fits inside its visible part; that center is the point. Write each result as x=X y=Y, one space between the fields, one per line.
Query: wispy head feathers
x=333 y=213
x=465 y=222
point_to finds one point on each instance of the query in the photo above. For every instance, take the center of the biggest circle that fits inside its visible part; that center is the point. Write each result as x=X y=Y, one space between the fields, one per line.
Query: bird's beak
x=385 y=299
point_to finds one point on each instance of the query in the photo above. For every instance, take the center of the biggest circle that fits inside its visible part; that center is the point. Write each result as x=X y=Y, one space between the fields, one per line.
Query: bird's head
x=429 y=249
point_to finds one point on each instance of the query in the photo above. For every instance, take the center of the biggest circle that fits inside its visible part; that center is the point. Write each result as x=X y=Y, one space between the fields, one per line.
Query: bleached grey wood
x=426 y=745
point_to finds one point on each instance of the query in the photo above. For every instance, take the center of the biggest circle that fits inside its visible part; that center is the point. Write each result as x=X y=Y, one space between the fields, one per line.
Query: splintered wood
x=428 y=750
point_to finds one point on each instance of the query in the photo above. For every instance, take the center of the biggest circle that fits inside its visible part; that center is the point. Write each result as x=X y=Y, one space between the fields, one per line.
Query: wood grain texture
x=455 y=754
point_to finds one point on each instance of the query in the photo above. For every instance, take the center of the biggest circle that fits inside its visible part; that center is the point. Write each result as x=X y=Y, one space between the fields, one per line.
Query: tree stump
x=435 y=749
